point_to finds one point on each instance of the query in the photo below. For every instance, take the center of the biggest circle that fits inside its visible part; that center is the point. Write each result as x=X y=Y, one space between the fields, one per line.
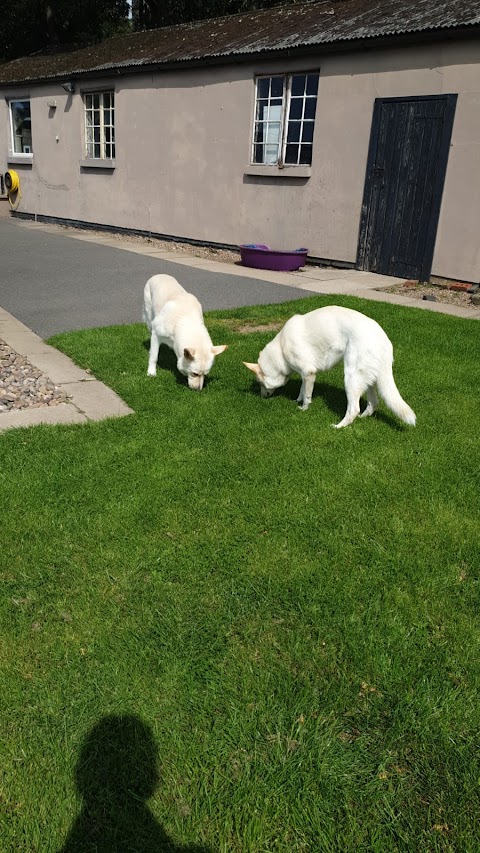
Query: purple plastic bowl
x=261 y=257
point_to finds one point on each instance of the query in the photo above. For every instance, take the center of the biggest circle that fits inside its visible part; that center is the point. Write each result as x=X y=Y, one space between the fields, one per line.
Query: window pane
x=106 y=117
x=96 y=102
x=293 y=131
x=296 y=108
x=263 y=87
x=258 y=154
x=312 y=84
x=307 y=131
x=298 y=84
x=262 y=107
x=277 y=87
x=306 y=154
x=310 y=108
x=113 y=152
x=259 y=133
x=271 y=154
x=273 y=132
x=275 y=112
x=96 y=150
x=291 y=154
x=21 y=127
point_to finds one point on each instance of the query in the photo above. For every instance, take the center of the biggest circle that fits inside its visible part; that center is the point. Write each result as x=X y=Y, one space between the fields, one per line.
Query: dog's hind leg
x=354 y=389
x=153 y=357
x=372 y=402
x=306 y=391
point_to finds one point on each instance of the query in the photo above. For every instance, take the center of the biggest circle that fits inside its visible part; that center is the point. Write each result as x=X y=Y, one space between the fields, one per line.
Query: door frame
x=448 y=119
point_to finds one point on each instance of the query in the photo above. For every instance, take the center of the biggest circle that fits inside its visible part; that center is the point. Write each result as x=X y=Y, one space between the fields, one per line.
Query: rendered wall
x=183 y=145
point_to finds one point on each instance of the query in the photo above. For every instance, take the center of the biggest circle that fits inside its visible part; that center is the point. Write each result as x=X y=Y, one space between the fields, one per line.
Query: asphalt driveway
x=54 y=283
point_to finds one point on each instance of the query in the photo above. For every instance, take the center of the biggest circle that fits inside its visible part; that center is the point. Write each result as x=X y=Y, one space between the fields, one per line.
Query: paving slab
x=94 y=399
x=63 y=413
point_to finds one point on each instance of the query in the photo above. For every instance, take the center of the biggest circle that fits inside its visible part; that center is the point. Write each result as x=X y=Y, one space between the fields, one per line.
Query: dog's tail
x=390 y=393
x=147 y=306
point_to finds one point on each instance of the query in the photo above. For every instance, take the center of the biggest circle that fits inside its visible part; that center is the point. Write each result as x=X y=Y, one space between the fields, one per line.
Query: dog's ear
x=189 y=354
x=253 y=367
x=219 y=349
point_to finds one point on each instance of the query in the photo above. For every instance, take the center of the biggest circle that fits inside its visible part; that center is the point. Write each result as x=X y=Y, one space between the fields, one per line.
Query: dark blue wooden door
x=406 y=168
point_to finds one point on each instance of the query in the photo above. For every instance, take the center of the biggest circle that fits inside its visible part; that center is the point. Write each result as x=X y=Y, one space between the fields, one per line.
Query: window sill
x=93 y=163
x=275 y=172
x=21 y=159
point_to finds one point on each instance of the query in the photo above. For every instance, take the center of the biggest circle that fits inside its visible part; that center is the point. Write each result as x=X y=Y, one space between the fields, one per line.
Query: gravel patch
x=418 y=291
x=23 y=386
x=228 y=256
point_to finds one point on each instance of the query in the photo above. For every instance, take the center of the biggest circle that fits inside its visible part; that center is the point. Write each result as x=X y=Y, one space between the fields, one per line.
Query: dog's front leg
x=306 y=391
x=153 y=357
x=302 y=392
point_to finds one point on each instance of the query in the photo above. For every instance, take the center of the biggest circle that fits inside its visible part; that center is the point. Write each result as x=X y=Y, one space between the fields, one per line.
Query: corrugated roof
x=284 y=27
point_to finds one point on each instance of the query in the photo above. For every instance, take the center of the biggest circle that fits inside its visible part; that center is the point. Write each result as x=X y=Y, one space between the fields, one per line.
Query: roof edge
x=374 y=42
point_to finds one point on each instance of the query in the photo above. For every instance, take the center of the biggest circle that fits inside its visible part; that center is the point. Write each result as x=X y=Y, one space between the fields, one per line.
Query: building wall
x=183 y=147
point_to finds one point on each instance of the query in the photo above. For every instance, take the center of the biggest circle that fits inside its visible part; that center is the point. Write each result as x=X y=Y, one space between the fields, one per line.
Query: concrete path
x=58 y=280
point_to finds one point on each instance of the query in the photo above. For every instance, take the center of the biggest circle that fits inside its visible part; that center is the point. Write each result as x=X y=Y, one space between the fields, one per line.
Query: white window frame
x=103 y=143
x=280 y=161
x=13 y=154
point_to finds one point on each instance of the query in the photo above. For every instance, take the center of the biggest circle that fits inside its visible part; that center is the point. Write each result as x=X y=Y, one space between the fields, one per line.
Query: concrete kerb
x=89 y=399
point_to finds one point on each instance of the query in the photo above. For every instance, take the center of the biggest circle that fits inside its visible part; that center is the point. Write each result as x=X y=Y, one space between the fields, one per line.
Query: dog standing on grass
x=319 y=340
x=175 y=318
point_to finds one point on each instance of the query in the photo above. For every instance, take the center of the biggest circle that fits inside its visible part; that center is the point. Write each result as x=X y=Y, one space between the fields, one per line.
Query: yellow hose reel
x=12 y=185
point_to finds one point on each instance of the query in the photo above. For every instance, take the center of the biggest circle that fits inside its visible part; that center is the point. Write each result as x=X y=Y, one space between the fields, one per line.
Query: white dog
x=319 y=340
x=175 y=318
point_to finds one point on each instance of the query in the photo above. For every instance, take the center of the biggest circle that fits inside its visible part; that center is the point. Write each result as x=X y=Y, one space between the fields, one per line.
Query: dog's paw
x=151 y=371
x=304 y=407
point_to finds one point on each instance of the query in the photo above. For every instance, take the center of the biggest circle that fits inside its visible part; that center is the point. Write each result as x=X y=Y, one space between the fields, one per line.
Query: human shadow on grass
x=116 y=774
x=334 y=398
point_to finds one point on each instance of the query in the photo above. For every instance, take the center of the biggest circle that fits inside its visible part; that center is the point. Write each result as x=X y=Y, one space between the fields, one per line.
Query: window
x=21 y=127
x=99 y=126
x=284 y=119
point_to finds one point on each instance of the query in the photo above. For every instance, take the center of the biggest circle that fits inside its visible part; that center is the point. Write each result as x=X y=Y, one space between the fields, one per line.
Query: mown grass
x=266 y=628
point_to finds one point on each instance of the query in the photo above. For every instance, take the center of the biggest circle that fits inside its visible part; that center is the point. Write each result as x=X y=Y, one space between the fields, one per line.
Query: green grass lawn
x=267 y=628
